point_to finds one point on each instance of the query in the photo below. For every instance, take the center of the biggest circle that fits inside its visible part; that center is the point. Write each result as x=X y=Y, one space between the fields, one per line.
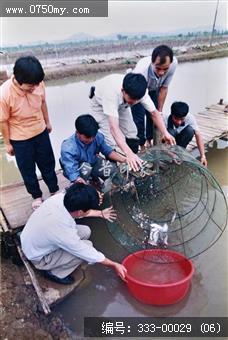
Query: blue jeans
x=139 y=113
x=32 y=151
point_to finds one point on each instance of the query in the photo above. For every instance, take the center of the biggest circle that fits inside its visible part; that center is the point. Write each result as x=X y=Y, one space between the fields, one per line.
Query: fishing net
x=173 y=203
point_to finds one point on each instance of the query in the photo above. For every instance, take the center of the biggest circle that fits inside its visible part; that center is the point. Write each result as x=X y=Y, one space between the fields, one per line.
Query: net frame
x=210 y=190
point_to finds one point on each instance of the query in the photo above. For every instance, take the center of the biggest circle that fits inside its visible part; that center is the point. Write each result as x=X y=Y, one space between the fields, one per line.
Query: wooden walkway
x=213 y=124
x=16 y=202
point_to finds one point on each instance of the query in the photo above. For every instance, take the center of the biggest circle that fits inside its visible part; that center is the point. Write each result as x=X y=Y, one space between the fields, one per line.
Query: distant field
x=103 y=48
x=78 y=60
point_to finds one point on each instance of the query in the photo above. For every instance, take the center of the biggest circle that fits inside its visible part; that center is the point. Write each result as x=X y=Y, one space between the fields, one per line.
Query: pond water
x=103 y=294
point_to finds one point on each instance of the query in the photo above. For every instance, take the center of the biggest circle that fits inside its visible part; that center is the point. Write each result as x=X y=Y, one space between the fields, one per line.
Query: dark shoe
x=65 y=280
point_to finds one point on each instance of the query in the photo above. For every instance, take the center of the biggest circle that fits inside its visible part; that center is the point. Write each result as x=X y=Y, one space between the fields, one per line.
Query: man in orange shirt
x=25 y=126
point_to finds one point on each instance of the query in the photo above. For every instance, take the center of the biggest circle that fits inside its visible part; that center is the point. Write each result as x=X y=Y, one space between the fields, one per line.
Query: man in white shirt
x=158 y=71
x=53 y=241
x=110 y=101
x=183 y=126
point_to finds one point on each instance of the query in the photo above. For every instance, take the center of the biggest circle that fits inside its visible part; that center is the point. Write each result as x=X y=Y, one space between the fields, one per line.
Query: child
x=25 y=126
x=79 y=153
x=183 y=126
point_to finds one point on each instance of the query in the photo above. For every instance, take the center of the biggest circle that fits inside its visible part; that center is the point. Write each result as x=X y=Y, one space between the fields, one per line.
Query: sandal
x=37 y=203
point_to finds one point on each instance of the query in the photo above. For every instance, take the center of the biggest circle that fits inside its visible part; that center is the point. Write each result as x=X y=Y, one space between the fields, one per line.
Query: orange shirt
x=22 y=110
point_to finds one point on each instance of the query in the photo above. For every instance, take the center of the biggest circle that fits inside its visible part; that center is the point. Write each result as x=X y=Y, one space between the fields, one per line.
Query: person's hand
x=49 y=127
x=134 y=162
x=9 y=149
x=169 y=139
x=121 y=271
x=80 y=180
x=101 y=197
x=109 y=214
x=203 y=160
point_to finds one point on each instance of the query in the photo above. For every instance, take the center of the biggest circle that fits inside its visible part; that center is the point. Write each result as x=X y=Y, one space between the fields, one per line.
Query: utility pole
x=213 y=28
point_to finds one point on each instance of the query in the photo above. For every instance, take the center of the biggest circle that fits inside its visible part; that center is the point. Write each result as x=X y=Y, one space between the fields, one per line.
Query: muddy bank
x=120 y=64
x=20 y=314
x=91 y=66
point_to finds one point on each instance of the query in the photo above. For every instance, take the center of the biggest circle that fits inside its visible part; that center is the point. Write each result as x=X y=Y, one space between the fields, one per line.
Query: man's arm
x=68 y=239
x=46 y=116
x=132 y=159
x=70 y=163
x=119 y=268
x=200 y=145
x=148 y=104
x=108 y=214
x=161 y=97
x=6 y=137
x=108 y=152
x=164 y=89
x=158 y=121
x=115 y=156
x=4 y=123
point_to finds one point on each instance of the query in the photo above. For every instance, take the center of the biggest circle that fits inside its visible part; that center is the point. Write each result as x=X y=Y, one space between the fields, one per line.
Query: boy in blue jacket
x=80 y=153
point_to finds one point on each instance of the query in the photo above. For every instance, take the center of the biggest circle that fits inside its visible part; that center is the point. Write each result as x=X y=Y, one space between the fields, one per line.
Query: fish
x=158 y=235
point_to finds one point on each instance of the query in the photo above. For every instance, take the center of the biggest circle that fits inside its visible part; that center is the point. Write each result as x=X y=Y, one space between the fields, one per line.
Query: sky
x=124 y=17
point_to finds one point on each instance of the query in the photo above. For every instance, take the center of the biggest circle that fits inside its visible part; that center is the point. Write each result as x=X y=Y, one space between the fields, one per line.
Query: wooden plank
x=215 y=118
x=214 y=110
x=39 y=292
x=55 y=292
x=207 y=136
x=218 y=106
x=210 y=114
x=221 y=126
x=16 y=203
x=3 y=224
x=217 y=110
x=50 y=293
x=212 y=129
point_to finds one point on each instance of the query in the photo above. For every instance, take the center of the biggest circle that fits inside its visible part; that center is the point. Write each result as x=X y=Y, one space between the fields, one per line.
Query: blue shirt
x=74 y=152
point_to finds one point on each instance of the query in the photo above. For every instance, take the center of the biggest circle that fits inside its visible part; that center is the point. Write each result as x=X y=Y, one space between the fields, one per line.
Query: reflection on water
x=9 y=170
x=218 y=161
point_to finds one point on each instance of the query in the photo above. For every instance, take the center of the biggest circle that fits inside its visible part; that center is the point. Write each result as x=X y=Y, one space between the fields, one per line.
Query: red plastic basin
x=158 y=276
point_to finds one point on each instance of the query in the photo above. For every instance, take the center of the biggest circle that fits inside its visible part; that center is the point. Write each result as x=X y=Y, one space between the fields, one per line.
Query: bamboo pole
x=213 y=28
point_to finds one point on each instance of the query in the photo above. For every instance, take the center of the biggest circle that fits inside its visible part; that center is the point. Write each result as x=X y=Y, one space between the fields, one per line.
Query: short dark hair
x=179 y=109
x=135 y=85
x=162 y=51
x=86 y=125
x=28 y=70
x=81 y=196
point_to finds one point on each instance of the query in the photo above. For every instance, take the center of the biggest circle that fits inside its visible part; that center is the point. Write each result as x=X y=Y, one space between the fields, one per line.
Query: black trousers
x=184 y=137
x=32 y=151
x=139 y=113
